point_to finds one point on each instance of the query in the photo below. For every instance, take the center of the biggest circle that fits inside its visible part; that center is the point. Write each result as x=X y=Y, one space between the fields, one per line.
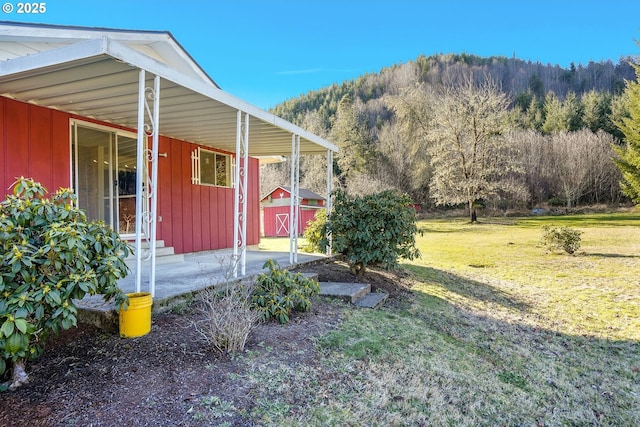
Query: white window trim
x=196 y=170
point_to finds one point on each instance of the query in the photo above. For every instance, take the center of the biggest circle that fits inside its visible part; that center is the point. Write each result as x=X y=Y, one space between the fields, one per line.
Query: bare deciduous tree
x=471 y=158
x=403 y=143
x=583 y=165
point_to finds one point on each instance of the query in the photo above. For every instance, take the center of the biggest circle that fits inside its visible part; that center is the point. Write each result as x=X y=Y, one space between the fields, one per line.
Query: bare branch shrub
x=228 y=315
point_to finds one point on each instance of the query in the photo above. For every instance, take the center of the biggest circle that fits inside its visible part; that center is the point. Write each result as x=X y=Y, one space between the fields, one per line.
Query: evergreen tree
x=595 y=110
x=556 y=119
x=628 y=160
x=349 y=134
x=619 y=111
x=562 y=116
x=534 y=117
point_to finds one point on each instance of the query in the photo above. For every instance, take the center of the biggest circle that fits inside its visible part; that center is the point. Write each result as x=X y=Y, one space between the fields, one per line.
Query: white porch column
x=147 y=183
x=155 y=119
x=240 y=195
x=294 y=208
x=329 y=202
x=140 y=180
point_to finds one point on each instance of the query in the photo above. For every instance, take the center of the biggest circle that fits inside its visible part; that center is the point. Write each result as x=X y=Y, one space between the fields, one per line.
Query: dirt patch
x=90 y=378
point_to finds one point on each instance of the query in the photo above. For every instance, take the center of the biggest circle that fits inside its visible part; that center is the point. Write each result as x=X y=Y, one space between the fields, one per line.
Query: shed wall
x=273 y=217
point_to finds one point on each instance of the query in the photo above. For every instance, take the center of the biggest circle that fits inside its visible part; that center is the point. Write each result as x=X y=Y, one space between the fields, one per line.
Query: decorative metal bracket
x=240 y=194
x=294 y=209
x=147 y=178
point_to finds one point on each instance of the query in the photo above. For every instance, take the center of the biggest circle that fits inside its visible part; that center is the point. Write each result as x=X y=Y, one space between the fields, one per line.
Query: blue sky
x=271 y=50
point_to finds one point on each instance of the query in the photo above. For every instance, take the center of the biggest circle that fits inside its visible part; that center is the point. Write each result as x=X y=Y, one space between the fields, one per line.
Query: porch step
x=164 y=255
x=358 y=294
x=145 y=244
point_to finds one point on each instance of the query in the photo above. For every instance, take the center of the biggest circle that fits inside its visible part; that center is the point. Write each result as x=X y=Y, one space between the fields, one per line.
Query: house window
x=214 y=168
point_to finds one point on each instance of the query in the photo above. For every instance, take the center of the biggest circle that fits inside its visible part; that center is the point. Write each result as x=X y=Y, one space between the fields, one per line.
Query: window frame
x=215 y=155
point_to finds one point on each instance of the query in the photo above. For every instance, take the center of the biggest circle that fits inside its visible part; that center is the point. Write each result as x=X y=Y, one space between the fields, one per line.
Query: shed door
x=282 y=224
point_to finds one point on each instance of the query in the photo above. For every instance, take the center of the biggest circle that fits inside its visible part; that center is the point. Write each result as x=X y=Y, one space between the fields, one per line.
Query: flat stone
x=311 y=276
x=372 y=300
x=350 y=292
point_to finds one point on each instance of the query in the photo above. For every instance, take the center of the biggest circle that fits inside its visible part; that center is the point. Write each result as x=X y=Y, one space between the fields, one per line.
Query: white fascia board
x=22 y=31
x=128 y=55
x=61 y=55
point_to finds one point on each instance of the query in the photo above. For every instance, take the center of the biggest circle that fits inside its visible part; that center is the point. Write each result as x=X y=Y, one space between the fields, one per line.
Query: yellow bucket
x=135 y=321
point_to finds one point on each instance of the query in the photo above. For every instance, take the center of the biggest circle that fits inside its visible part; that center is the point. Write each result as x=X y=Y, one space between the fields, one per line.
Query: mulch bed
x=88 y=377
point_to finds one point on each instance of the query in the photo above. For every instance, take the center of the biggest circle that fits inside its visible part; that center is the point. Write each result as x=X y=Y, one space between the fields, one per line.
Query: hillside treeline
x=559 y=125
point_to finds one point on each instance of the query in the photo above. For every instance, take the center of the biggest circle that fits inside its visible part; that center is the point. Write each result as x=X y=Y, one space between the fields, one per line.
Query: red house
x=148 y=141
x=275 y=208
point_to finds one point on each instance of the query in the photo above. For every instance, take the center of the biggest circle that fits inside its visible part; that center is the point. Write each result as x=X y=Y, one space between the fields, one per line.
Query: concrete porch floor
x=178 y=281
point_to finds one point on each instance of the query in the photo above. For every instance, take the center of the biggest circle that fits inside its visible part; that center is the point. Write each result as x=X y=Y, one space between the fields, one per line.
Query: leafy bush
x=561 y=239
x=377 y=229
x=314 y=233
x=557 y=202
x=50 y=255
x=279 y=292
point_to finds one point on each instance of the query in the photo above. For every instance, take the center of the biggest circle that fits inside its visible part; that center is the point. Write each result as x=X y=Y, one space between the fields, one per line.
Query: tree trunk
x=472 y=212
x=19 y=376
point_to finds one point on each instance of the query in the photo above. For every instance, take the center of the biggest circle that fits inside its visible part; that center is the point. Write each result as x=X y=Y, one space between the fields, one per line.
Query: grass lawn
x=499 y=332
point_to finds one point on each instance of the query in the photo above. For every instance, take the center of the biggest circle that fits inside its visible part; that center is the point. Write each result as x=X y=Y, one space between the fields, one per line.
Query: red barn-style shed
x=148 y=141
x=275 y=209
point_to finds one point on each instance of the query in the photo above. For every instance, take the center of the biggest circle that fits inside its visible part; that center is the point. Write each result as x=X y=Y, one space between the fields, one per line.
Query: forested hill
x=520 y=79
x=552 y=128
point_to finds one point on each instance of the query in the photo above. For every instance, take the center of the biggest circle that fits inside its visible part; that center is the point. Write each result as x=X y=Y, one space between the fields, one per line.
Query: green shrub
x=557 y=202
x=561 y=239
x=377 y=229
x=279 y=292
x=50 y=255
x=315 y=231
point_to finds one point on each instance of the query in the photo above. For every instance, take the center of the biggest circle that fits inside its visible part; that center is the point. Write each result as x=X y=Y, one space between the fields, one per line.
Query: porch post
x=140 y=180
x=240 y=195
x=294 y=207
x=329 y=203
x=155 y=118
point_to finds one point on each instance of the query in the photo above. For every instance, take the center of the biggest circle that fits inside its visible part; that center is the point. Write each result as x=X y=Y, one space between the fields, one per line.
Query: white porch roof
x=93 y=72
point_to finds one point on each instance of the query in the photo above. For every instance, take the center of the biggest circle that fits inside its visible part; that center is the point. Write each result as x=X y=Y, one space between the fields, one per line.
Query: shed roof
x=93 y=72
x=303 y=193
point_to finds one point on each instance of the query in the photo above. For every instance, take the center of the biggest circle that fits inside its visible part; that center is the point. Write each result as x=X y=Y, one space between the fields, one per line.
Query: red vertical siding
x=35 y=142
x=41 y=137
x=270 y=220
x=17 y=140
x=306 y=215
x=61 y=150
x=177 y=218
x=3 y=148
x=187 y=198
x=164 y=196
x=196 y=217
x=227 y=218
x=201 y=216
x=253 y=226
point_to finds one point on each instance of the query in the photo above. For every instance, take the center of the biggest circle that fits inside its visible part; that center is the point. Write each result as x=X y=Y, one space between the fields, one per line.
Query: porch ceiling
x=99 y=79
